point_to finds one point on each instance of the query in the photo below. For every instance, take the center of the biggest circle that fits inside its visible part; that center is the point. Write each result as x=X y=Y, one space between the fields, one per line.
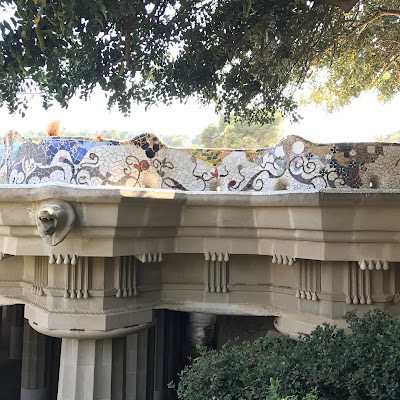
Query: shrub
x=330 y=363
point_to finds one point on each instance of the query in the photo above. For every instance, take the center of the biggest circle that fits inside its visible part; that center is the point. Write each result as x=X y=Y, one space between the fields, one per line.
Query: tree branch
x=361 y=28
x=378 y=15
x=384 y=69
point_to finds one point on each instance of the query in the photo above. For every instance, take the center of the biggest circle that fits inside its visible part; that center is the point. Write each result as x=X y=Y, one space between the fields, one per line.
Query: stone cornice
x=113 y=195
x=325 y=225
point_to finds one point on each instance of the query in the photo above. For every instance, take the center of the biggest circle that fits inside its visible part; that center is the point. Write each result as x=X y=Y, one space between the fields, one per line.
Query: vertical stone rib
x=309 y=287
x=118 y=273
x=368 y=285
x=207 y=271
x=361 y=288
x=302 y=279
x=34 y=278
x=130 y=261
x=66 y=278
x=134 y=276
x=354 y=283
x=218 y=273
x=85 y=262
x=225 y=273
x=45 y=274
x=73 y=281
x=348 y=284
x=79 y=268
x=212 y=272
x=123 y=273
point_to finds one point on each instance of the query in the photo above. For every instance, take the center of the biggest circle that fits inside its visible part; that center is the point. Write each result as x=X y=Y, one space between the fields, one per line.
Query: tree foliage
x=175 y=140
x=365 y=56
x=329 y=362
x=247 y=56
x=391 y=138
x=238 y=134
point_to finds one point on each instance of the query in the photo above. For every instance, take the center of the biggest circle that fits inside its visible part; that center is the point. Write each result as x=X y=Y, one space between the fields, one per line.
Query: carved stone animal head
x=55 y=220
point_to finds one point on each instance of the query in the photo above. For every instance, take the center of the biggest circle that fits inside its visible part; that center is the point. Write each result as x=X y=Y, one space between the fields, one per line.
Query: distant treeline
x=233 y=134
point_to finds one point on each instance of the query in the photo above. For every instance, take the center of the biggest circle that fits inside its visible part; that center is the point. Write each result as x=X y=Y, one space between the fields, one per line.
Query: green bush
x=329 y=363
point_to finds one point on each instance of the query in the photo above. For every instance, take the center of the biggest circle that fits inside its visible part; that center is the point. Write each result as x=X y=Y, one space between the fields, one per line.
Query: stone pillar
x=137 y=366
x=141 y=385
x=36 y=358
x=140 y=365
x=7 y=312
x=85 y=369
x=131 y=366
x=160 y=367
x=118 y=377
x=17 y=332
x=55 y=366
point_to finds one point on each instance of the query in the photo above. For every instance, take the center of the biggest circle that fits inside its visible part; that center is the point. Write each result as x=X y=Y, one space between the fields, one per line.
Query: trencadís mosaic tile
x=145 y=161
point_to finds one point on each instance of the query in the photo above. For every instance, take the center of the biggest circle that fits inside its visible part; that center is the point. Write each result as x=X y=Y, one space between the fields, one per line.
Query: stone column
x=7 y=312
x=36 y=357
x=85 y=369
x=17 y=332
x=54 y=366
x=118 y=377
x=160 y=368
x=140 y=365
x=131 y=366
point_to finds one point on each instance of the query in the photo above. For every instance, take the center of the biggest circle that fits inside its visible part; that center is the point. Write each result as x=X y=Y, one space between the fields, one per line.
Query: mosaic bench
x=145 y=161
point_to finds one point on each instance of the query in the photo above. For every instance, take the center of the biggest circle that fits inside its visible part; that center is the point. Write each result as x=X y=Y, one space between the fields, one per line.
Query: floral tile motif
x=145 y=161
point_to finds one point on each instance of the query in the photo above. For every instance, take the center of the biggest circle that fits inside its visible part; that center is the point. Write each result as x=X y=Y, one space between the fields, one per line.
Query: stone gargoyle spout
x=55 y=220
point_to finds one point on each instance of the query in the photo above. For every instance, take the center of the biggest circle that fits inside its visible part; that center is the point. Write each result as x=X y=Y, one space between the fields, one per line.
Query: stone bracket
x=149 y=257
x=374 y=264
x=40 y=276
x=309 y=283
x=77 y=279
x=216 y=270
x=126 y=279
x=60 y=259
x=285 y=260
x=358 y=285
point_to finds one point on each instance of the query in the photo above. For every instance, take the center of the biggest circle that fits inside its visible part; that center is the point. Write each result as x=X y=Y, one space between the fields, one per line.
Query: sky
x=361 y=121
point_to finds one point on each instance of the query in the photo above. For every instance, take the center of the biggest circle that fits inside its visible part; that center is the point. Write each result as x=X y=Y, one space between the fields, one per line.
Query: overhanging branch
x=358 y=28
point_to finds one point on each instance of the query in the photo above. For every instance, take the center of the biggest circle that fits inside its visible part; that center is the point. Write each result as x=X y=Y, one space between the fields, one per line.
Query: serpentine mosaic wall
x=146 y=161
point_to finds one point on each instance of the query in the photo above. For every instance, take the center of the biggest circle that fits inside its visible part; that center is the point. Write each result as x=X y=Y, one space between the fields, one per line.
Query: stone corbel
x=60 y=259
x=374 y=264
x=149 y=257
x=284 y=260
x=309 y=284
x=216 y=267
x=55 y=220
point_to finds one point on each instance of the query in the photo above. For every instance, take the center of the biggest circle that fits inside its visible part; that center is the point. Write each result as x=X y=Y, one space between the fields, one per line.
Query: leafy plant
x=328 y=363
